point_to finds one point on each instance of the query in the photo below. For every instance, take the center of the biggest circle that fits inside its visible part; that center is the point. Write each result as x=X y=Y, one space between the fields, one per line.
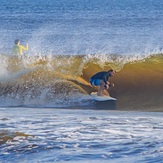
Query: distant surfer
x=101 y=79
x=18 y=49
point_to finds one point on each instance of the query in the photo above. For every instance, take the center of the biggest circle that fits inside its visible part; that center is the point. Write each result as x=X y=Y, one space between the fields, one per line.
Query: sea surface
x=75 y=135
x=46 y=111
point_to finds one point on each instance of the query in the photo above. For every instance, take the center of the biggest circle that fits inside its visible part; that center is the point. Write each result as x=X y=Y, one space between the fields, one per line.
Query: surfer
x=101 y=79
x=17 y=49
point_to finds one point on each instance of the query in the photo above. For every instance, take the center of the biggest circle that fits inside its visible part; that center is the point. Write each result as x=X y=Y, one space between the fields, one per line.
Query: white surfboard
x=102 y=98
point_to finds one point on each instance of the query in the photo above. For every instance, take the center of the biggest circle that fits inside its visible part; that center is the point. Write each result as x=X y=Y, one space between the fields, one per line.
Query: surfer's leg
x=105 y=92
x=102 y=84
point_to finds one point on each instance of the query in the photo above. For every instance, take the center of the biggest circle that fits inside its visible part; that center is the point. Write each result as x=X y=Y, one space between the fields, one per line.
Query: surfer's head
x=111 y=72
x=17 y=41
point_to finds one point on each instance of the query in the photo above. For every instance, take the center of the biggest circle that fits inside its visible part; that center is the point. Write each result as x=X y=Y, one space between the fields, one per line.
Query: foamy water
x=95 y=35
x=63 y=135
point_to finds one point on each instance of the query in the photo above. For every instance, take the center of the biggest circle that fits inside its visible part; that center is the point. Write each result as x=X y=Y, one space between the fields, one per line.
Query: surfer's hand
x=111 y=85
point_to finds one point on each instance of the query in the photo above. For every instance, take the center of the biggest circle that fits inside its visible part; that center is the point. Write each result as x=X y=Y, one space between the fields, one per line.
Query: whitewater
x=46 y=111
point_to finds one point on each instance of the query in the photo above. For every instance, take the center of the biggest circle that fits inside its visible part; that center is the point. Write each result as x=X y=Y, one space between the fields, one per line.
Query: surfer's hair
x=16 y=41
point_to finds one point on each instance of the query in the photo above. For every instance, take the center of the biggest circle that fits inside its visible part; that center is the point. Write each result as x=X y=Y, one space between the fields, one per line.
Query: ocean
x=47 y=113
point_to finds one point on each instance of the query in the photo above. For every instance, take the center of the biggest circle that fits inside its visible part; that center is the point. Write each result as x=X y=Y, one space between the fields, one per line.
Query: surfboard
x=102 y=98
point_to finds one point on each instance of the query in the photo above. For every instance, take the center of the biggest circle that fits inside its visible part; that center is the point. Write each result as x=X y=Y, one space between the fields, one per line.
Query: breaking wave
x=63 y=80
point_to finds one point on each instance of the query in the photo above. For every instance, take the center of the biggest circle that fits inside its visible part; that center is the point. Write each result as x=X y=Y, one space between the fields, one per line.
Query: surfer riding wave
x=101 y=79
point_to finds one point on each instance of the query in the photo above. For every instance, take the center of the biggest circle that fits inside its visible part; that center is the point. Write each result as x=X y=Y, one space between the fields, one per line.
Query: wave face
x=63 y=81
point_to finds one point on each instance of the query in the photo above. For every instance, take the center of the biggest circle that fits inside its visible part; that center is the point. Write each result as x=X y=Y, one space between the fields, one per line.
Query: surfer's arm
x=105 y=78
x=27 y=47
x=23 y=48
x=110 y=84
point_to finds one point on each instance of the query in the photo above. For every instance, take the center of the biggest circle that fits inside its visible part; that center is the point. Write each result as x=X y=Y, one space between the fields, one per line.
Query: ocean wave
x=61 y=80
